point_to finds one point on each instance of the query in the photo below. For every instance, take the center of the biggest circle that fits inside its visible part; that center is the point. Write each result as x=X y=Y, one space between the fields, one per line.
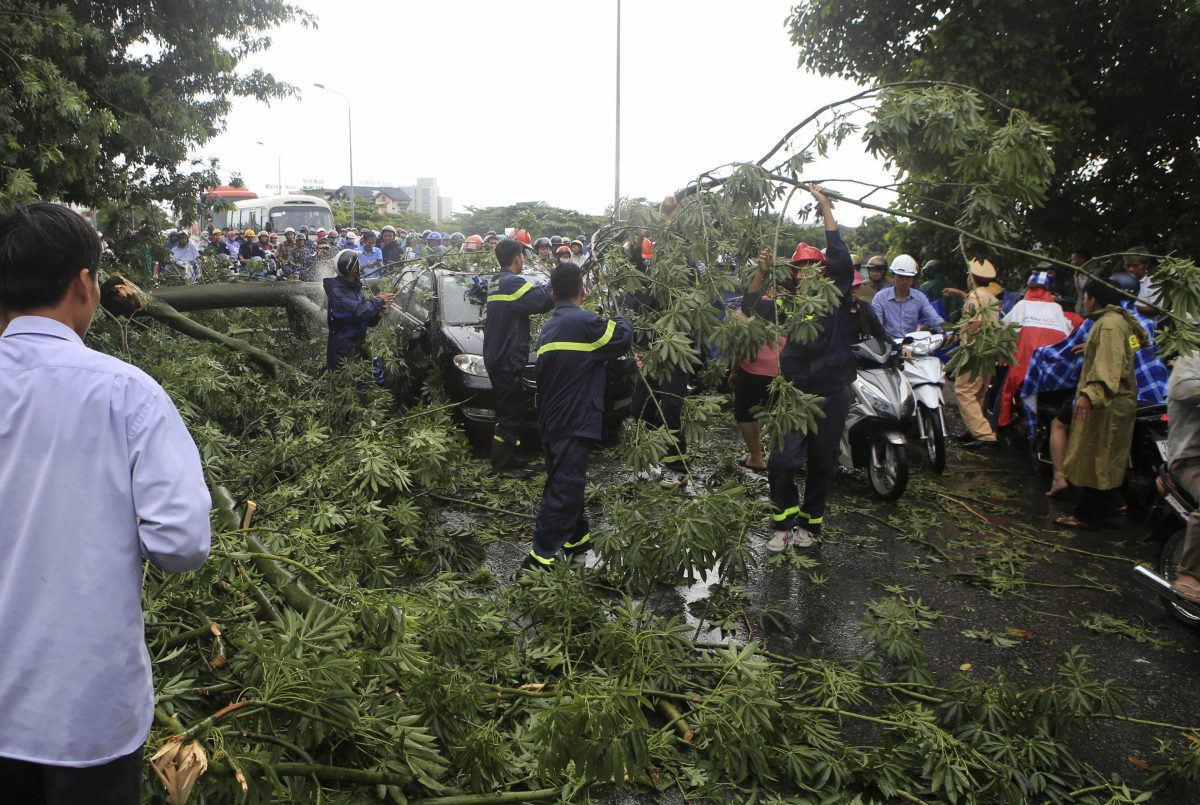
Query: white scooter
x=879 y=416
x=926 y=375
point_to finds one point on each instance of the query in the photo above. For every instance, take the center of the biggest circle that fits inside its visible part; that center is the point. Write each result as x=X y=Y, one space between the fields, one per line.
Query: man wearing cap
x=231 y=245
x=303 y=243
x=901 y=308
x=876 y=279
x=215 y=245
x=287 y=253
x=980 y=306
x=391 y=248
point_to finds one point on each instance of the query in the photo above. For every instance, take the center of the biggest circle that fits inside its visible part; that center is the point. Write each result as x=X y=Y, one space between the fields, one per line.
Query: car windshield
x=459 y=306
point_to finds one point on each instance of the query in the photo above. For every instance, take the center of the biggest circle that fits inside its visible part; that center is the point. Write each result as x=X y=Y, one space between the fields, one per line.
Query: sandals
x=746 y=465
x=1071 y=521
x=1187 y=588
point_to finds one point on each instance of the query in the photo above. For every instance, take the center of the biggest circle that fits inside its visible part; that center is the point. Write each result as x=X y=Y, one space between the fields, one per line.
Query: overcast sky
x=509 y=102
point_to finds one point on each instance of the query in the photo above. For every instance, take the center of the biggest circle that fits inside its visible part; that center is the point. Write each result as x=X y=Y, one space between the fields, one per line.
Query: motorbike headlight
x=470 y=364
x=877 y=399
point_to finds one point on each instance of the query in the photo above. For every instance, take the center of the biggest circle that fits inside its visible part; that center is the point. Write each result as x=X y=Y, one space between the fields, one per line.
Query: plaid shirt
x=1056 y=367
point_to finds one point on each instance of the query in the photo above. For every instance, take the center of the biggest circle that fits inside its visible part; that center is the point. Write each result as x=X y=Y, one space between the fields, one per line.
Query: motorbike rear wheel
x=1168 y=561
x=887 y=469
x=935 y=437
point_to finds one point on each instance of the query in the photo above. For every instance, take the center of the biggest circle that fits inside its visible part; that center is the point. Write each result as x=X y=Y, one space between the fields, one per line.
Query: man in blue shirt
x=901 y=307
x=99 y=473
x=370 y=256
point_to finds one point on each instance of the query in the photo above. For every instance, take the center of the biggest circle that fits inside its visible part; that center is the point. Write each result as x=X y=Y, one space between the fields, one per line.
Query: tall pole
x=617 y=166
x=350 y=135
x=278 y=166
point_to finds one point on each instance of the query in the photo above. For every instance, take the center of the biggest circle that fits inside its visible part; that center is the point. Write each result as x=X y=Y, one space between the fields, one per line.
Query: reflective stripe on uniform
x=786 y=513
x=580 y=346
x=540 y=560
x=811 y=520
x=509 y=297
x=586 y=538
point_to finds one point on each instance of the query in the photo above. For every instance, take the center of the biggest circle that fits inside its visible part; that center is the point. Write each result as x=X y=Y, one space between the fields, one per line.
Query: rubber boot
x=504 y=460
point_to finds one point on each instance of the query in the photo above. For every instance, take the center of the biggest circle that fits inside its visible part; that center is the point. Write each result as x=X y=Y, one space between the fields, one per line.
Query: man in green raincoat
x=1105 y=405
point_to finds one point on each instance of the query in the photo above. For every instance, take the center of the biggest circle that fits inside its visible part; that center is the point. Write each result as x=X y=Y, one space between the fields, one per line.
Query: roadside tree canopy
x=1114 y=81
x=103 y=101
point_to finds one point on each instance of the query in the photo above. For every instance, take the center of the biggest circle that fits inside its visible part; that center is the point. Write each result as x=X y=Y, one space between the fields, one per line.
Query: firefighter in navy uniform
x=574 y=349
x=511 y=300
x=824 y=367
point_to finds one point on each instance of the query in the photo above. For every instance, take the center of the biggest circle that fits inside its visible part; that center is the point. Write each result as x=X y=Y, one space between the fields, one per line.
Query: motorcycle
x=926 y=375
x=879 y=417
x=1178 y=505
x=1147 y=453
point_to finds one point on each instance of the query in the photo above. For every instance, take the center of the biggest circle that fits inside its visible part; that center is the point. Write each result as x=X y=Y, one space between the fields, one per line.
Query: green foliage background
x=1113 y=80
x=101 y=102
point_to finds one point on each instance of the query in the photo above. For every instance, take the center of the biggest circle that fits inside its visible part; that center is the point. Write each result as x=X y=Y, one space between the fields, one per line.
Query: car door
x=407 y=325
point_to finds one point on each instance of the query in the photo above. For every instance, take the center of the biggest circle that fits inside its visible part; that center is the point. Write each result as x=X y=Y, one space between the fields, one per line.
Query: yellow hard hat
x=249 y=233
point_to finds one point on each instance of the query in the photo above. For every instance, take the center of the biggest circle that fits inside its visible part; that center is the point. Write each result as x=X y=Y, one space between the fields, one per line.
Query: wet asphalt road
x=1040 y=607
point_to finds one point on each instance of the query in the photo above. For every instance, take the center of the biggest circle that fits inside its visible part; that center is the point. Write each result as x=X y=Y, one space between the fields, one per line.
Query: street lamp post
x=350 y=136
x=278 y=166
x=617 y=166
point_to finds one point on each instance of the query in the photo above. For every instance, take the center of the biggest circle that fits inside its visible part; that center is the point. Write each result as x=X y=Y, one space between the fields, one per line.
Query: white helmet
x=904 y=266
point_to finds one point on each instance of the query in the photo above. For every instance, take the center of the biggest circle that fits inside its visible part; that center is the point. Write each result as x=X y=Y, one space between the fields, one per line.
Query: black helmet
x=346 y=261
x=556 y=241
x=540 y=242
x=457 y=238
x=1126 y=282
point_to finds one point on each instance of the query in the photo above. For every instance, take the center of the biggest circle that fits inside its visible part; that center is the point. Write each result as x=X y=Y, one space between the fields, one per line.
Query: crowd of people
x=883 y=299
x=291 y=254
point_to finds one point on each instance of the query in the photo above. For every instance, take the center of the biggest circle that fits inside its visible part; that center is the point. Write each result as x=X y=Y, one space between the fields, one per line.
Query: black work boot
x=504 y=460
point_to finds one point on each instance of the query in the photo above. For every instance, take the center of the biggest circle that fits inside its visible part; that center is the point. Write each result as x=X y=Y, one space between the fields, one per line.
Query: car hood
x=466 y=338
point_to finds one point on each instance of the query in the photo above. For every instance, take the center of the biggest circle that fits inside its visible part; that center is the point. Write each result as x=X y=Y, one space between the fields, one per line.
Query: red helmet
x=647 y=249
x=563 y=250
x=523 y=237
x=807 y=254
x=472 y=243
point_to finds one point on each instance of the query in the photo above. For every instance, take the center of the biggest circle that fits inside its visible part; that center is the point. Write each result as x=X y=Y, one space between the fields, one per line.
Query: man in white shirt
x=1138 y=263
x=99 y=473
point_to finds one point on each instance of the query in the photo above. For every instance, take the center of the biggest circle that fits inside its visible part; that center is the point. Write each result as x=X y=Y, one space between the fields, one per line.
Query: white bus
x=276 y=213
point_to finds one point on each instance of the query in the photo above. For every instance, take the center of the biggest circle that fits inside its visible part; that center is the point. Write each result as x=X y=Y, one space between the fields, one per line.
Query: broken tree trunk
x=303 y=300
x=122 y=298
x=186 y=298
